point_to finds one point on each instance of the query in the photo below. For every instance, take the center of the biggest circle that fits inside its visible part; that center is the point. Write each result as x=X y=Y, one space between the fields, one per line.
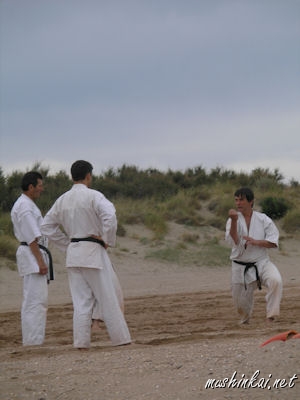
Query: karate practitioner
x=89 y=226
x=31 y=260
x=250 y=234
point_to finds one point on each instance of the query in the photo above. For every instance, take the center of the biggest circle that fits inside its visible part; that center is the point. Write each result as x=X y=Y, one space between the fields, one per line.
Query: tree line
x=129 y=181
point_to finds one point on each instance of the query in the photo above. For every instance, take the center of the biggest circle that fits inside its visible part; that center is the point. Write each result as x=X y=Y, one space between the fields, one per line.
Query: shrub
x=274 y=207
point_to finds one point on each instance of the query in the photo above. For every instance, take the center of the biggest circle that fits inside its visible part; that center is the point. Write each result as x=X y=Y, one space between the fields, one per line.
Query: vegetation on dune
x=194 y=198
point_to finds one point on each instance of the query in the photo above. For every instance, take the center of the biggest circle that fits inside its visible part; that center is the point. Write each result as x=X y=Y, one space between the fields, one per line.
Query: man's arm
x=233 y=215
x=259 y=243
x=107 y=213
x=34 y=247
x=51 y=229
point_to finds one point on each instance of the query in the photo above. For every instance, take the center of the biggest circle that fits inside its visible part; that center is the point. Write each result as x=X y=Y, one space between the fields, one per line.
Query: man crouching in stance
x=250 y=234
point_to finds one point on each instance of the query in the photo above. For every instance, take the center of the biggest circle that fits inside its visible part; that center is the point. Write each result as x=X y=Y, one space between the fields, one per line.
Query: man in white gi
x=250 y=234
x=89 y=226
x=31 y=260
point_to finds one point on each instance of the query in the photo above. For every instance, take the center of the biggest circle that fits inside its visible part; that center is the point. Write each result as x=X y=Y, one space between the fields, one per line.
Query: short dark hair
x=245 y=192
x=30 y=178
x=80 y=169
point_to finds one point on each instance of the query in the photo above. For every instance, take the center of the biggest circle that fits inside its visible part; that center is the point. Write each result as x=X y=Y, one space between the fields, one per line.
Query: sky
x=165 y=84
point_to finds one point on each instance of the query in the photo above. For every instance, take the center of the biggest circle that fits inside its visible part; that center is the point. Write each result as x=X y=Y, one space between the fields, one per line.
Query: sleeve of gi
x=271 y=231
x=28 y=227
x=51 y=228
x=107 y=213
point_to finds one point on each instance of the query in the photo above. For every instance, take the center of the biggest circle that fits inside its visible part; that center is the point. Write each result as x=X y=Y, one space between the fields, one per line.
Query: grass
x=5 y=262
x=213 y=254
x=8 y=247
x=208 y=253
x=291 y=222
x=6 y=227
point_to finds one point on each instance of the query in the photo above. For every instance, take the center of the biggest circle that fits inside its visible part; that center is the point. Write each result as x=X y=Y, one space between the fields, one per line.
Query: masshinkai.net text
x=255 y=381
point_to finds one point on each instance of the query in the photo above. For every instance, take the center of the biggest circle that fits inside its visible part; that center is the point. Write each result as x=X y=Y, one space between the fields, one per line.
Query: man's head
x=32 y=184
x=245 y=193
x=80 y=169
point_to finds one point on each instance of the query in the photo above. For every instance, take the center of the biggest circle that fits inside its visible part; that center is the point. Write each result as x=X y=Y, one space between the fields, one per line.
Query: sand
x=187 y=342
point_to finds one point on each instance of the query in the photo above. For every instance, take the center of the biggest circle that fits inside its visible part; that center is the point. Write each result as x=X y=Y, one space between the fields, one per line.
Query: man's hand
x=100 y=238
x=43 y=269
x=233 y=214
x=233 y=229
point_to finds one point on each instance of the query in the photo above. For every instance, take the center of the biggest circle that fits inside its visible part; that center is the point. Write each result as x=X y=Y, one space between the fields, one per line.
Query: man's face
x=35 y=191
x=242 y=204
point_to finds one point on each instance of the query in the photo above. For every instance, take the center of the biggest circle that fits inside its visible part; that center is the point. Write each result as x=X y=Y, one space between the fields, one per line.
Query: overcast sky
x=152 y=83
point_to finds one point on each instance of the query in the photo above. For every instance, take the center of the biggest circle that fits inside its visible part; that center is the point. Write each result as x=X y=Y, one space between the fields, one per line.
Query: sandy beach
x=187 y=341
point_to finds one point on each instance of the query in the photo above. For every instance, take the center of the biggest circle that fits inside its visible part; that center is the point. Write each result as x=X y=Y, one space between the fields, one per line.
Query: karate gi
x=26 y=218
x=83 y=212
x=261 y=228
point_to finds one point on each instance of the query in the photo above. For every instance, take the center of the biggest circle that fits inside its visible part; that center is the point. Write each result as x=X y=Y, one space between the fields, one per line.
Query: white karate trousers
x=89 y=286
x=34 y=309
x=97 y=309
x=243 y=298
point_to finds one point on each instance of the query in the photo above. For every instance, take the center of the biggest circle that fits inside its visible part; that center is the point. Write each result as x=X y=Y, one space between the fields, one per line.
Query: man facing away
x=31 y=260
x=250 y=234
x=89 y=226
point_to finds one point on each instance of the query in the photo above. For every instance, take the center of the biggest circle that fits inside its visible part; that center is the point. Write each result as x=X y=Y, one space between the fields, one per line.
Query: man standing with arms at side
x=250 y=234
x=26 y=218
x=89 y=223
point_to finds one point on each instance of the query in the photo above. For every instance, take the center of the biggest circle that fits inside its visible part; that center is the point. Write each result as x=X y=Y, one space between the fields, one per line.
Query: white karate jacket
x=27 y=219
x=261 y=228
x=81 y=212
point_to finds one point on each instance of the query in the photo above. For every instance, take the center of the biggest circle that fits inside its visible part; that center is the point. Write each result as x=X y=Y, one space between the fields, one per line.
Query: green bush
x=275 y=208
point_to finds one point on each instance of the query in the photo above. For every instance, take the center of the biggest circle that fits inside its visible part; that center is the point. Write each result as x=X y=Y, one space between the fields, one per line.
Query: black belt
x=249 y=265
x=89 y=239
x=51 y=272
